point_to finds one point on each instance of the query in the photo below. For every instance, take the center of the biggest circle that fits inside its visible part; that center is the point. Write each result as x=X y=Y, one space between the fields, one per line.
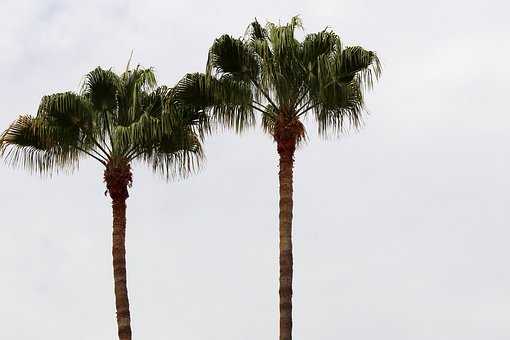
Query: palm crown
x=115 y=119
x=290 y=78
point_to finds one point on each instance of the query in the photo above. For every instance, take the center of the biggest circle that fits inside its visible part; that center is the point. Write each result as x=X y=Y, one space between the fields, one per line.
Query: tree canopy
x=288 y=79
x=114 y=119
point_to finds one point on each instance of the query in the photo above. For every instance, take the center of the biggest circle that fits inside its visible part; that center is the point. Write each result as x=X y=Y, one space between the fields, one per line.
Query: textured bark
x=117 y=181
x=286 y=148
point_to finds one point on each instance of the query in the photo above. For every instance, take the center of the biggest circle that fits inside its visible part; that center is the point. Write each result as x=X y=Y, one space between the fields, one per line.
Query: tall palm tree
x=115 y=120
x=289 y=80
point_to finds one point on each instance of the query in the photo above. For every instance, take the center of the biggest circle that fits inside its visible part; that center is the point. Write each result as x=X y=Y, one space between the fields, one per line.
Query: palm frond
x=281 y=74
x=232 y=57
x=356 y=61
x=318 y=44
x=67 y=110
x=100 y=87
x=26 y=144
x=227 y=99
x=134 y=84
x=255 y=31
x=175 y=156
x=339 y=106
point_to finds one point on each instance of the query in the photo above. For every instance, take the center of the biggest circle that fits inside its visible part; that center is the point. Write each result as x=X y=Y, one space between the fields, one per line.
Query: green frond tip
x=255 y=31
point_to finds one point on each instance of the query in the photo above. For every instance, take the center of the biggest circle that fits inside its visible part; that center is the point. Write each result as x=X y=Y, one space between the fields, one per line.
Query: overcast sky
x=401 y=231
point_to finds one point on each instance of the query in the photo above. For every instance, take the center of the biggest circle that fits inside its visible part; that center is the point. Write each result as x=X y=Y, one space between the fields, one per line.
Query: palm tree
x=115 y=120
x=289 y=80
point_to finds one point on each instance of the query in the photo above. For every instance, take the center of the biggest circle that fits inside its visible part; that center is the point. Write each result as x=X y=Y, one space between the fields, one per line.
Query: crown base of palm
x=118 y=178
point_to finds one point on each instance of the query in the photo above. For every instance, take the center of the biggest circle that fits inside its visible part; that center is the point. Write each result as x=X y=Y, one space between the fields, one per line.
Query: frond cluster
x=229 y=99
x=115 y=119
x=293 y=78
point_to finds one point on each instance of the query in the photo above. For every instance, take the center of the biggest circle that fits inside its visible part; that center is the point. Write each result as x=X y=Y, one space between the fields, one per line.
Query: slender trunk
x=286 y=151
x=119 y=269
x=117 y=182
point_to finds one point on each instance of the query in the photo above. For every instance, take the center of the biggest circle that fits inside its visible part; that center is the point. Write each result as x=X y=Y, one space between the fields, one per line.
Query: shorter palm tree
x=115 y=120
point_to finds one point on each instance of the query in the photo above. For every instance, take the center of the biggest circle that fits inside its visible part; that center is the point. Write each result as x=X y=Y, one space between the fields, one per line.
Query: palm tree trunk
x=286 y=151
x=119 y=269
x=117 y=181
